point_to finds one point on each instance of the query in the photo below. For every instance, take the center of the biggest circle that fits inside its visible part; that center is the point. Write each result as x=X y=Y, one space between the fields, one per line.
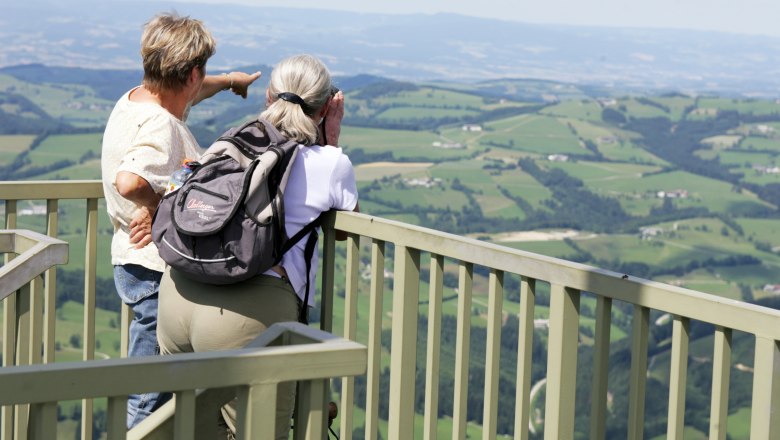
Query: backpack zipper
x=203 y=190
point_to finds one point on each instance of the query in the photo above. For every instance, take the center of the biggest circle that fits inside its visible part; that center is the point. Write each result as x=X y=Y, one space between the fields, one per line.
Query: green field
x=756 y=107
x=403 y=144
x=535 y=134
x=585 y=110
x=74 y=104
x=13 y=144
x=66 y=147
x=716 y=195
x=751 y=143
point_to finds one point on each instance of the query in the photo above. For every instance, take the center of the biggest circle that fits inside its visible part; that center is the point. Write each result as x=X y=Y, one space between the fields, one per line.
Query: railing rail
x=567 y=280
x=414 y=247
x=253 y=372
x=35 y=252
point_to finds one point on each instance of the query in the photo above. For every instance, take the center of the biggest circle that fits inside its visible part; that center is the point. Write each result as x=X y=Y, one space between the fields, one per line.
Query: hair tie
x=295 y=99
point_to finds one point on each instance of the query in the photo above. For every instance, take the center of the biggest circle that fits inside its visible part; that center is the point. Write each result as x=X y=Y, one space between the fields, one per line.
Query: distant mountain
x=447 y=47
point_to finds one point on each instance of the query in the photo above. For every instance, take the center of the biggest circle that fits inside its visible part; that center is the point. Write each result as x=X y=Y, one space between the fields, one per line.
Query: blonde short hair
x=307 y=77
x=171 y=46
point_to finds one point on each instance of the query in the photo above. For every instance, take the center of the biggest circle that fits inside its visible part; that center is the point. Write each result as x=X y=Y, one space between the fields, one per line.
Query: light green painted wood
x=638 y=375
x=462 y=347
x=90 y=293
x=653 y=295
x=116 y=418
x=524 y=356
x=184 y=420
x=34 y=254
x=435 y=292
x=312 y=419
x=126 y=317
x=678 y=378
x=561 y=363
x=721 y=373
x=598 y=404
x=376 y=293
x=350 y=329
x=328 y=279
x=43 y=421
x=44 y=189
x=492 y=358
x=406 y=292
x=765 y=412
x=50 y=286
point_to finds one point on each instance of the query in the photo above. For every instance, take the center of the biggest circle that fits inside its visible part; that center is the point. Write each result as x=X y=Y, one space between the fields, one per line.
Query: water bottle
x=179 y=176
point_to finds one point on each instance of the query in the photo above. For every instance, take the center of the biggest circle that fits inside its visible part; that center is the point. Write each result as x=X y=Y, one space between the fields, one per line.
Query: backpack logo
x=199 y=204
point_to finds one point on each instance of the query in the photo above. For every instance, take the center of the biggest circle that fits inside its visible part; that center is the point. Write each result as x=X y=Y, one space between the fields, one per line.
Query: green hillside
x=679 y=189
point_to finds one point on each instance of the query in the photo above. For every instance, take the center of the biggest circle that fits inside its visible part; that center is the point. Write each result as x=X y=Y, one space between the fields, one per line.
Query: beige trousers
x=196 y=317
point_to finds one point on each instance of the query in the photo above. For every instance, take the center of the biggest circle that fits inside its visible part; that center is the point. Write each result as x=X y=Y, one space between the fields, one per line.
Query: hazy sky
x=740 y=16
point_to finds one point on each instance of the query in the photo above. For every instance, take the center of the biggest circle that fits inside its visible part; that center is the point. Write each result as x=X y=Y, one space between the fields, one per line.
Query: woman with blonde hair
x=145 y=140
x=304 y=106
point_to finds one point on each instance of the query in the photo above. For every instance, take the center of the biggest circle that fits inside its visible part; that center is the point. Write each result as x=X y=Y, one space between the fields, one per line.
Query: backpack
x=225 y=224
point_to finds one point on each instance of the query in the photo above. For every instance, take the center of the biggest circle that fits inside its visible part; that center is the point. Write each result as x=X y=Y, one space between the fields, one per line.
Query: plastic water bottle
x=179 y=176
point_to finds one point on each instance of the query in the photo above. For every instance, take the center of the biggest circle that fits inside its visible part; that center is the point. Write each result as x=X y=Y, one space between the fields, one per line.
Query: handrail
x=306 y=354
x=737 y=315
x=36 y=253
x=567 y=282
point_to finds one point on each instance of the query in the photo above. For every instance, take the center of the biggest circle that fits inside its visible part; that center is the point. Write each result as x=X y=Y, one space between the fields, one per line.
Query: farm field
x=458 y=159
x=13 y=144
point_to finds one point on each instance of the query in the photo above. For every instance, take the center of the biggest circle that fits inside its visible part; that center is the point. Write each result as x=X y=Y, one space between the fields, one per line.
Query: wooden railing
x=301 y=354
x=415 y=248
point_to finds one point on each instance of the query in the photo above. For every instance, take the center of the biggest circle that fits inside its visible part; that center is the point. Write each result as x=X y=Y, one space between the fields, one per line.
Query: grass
x=586 y=110
x=715 y=195
x=756 y=107
x=13 y=144
x=760 y=143
x=66 y=147
x=375 y=171
x=403 y=144
x=533 y=133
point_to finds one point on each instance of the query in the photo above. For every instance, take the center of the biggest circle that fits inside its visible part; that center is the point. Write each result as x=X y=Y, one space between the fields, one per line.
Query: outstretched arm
x=237 y=82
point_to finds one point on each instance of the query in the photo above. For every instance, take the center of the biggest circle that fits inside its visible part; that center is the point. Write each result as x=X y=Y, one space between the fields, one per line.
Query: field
x=13 y=144
x=448 y=155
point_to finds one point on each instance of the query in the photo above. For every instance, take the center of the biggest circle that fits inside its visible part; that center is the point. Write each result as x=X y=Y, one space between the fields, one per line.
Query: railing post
x=677 y=378
x=90 y=269
x=23 y=349
x=310 y=412
x=184 y=419
x=492 y=357
x=433 y=350
x=638 y=375
x=350 y=331
x=328 y=278
x=765 y=414
x=598 y=403
x=374 y=338
x=721 y=369
x=562 y=363
x=406 y=290
x=50 y=292
x=524 y=351
x=9 y=329
x=462 y=349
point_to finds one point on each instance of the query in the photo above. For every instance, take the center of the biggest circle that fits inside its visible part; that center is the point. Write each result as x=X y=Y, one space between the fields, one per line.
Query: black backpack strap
x=308 y=253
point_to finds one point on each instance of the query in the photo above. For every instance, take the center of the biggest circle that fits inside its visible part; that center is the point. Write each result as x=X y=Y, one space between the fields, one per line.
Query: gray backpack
x=225 y=224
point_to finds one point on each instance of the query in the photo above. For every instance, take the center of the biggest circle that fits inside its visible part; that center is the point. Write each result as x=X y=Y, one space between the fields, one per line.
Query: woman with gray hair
x=146 y=139
x=304 y=106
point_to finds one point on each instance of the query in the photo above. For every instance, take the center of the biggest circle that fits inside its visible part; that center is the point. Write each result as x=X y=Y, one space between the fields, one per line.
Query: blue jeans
x=139 y=287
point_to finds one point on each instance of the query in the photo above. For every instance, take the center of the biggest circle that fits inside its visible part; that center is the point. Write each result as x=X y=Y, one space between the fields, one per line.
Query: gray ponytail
x=307 y=77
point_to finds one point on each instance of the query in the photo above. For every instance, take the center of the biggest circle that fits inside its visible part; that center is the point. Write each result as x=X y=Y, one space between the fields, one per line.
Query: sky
x=760 y=17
